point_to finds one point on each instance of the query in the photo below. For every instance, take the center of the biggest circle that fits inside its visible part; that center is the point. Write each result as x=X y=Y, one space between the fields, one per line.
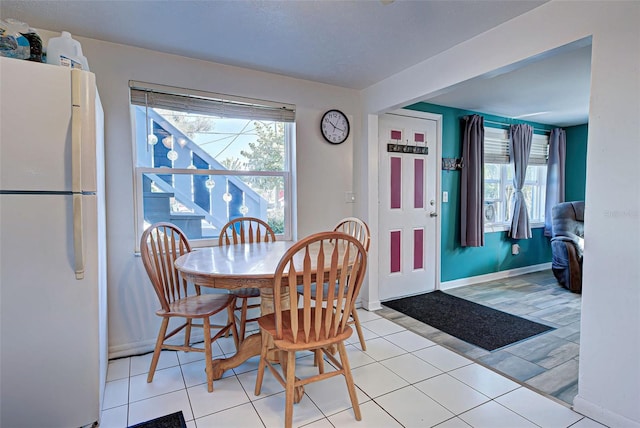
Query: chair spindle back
x=161 y=244
x=333 y=257
x=246 y=230
x=357 y=228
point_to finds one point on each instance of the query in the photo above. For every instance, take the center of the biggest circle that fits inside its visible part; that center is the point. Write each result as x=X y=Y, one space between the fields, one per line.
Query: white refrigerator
x=53 y=319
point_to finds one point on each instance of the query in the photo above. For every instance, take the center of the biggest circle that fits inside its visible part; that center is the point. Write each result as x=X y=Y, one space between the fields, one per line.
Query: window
x=498 y=180
x=203 y=159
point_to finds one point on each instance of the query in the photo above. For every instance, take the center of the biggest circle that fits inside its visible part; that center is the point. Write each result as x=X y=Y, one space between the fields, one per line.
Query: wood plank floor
x=547 y=363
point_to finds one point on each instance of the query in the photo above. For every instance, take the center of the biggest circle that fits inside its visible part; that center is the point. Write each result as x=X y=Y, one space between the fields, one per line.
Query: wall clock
x=334 y=126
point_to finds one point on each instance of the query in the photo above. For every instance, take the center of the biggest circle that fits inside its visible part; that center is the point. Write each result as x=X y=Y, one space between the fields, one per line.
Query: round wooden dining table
x=232 y=267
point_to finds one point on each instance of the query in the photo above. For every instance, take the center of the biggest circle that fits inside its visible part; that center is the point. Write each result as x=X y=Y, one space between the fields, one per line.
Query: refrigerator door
x=84 y=152
x=36 y=133
x=49 y=320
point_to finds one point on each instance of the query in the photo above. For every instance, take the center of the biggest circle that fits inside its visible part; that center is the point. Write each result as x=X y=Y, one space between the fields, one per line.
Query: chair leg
x=349 y=379
x=232 y=321
x=356 y=322
x=158 y=348
x=318 y=360
x=243 y=317
x=290 y=389
x=263 y=362
x=187 y=332
x=206 y=325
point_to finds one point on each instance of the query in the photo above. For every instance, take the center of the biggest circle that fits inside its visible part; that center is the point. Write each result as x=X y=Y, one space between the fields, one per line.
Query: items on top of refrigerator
x=12 y=43
x=35 y=42
x=66 y=51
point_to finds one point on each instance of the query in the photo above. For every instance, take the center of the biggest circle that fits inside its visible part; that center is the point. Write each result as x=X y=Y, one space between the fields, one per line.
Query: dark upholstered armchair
x=567 y=244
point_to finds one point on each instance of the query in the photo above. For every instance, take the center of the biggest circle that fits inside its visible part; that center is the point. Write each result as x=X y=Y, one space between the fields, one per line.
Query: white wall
x=324 y=171
x=609 y=378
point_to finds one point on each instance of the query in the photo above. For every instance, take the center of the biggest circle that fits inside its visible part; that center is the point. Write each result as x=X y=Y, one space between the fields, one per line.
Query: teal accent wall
x=576 y=162
x=463 y=262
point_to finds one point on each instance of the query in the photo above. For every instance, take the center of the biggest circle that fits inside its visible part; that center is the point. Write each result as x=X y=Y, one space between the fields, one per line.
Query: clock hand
x=335 y=127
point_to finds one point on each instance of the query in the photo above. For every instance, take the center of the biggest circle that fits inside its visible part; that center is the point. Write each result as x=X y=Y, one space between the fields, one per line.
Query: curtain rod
x=546 y=131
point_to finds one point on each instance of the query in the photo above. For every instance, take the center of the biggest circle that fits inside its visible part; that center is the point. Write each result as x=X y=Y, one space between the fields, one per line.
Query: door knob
x=433 y=214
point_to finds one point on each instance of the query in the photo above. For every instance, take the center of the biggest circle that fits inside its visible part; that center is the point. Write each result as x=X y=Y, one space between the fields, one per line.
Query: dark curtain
x=555 y=176
x=472 y=182
x=520 y=138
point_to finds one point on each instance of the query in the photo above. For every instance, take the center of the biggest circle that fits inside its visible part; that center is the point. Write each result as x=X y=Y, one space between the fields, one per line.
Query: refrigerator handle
x=76 y=171
x=78 y=237
x=76 y=131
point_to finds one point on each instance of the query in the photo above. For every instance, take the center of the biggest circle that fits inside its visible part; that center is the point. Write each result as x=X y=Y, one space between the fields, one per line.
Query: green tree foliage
x=233 y=164
x=266 y=154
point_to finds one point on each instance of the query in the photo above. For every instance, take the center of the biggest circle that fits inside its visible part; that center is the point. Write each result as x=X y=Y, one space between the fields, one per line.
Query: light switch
x=445 y=196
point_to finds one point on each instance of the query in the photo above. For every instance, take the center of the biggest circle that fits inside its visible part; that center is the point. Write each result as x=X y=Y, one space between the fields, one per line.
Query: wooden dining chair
x=360 y=230
x=160 y=246
x=333 y=257
x=239 y=231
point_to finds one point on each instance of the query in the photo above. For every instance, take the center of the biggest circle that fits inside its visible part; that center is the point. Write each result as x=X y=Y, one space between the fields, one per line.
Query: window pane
x=491 y=171
x=239 y=144
x=509 y=173
x=491 y=191
x=201 y=204
x=499 y=208
x=531 y=174
x=527 y=191
x=498 y=187
x=508 y=196
x=236 y=168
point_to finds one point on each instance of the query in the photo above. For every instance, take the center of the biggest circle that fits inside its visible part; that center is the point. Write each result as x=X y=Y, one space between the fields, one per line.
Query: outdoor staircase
x=200 y=220
x=157 y=207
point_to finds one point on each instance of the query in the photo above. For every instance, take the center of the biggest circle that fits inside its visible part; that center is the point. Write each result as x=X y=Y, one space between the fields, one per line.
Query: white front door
x=409 y=204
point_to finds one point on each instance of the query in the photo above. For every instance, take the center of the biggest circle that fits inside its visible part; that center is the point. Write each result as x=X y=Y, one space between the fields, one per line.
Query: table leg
x=251 y=345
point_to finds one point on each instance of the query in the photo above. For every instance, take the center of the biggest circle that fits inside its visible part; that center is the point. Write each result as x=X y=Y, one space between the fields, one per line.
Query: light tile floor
x=403 y=380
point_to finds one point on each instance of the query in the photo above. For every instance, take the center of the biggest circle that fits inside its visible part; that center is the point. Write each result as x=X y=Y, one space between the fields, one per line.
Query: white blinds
x=496 y=147
x=539 y=150
x=198 y=102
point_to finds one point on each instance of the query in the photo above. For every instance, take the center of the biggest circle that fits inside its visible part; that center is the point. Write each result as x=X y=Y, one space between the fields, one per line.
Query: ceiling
x=352 y=44
x=552 y=89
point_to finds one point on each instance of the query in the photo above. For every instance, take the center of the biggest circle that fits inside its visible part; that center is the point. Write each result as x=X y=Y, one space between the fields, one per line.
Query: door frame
x=371 y=300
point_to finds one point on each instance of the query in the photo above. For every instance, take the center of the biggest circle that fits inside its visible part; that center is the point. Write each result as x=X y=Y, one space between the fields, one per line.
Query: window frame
x=539 y=183
x=287 y=174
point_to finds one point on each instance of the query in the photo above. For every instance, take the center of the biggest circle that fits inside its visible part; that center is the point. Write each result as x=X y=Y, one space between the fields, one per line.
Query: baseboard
x=367 y=305
x=130 y=349
x=602 y=415
x=146 y=346
x=446 y=285
x=373 y=305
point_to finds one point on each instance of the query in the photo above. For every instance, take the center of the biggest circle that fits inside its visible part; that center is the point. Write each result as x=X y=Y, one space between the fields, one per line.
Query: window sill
x=504 y=227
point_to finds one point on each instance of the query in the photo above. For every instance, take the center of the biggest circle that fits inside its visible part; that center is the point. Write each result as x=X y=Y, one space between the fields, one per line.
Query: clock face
x=334 y=127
